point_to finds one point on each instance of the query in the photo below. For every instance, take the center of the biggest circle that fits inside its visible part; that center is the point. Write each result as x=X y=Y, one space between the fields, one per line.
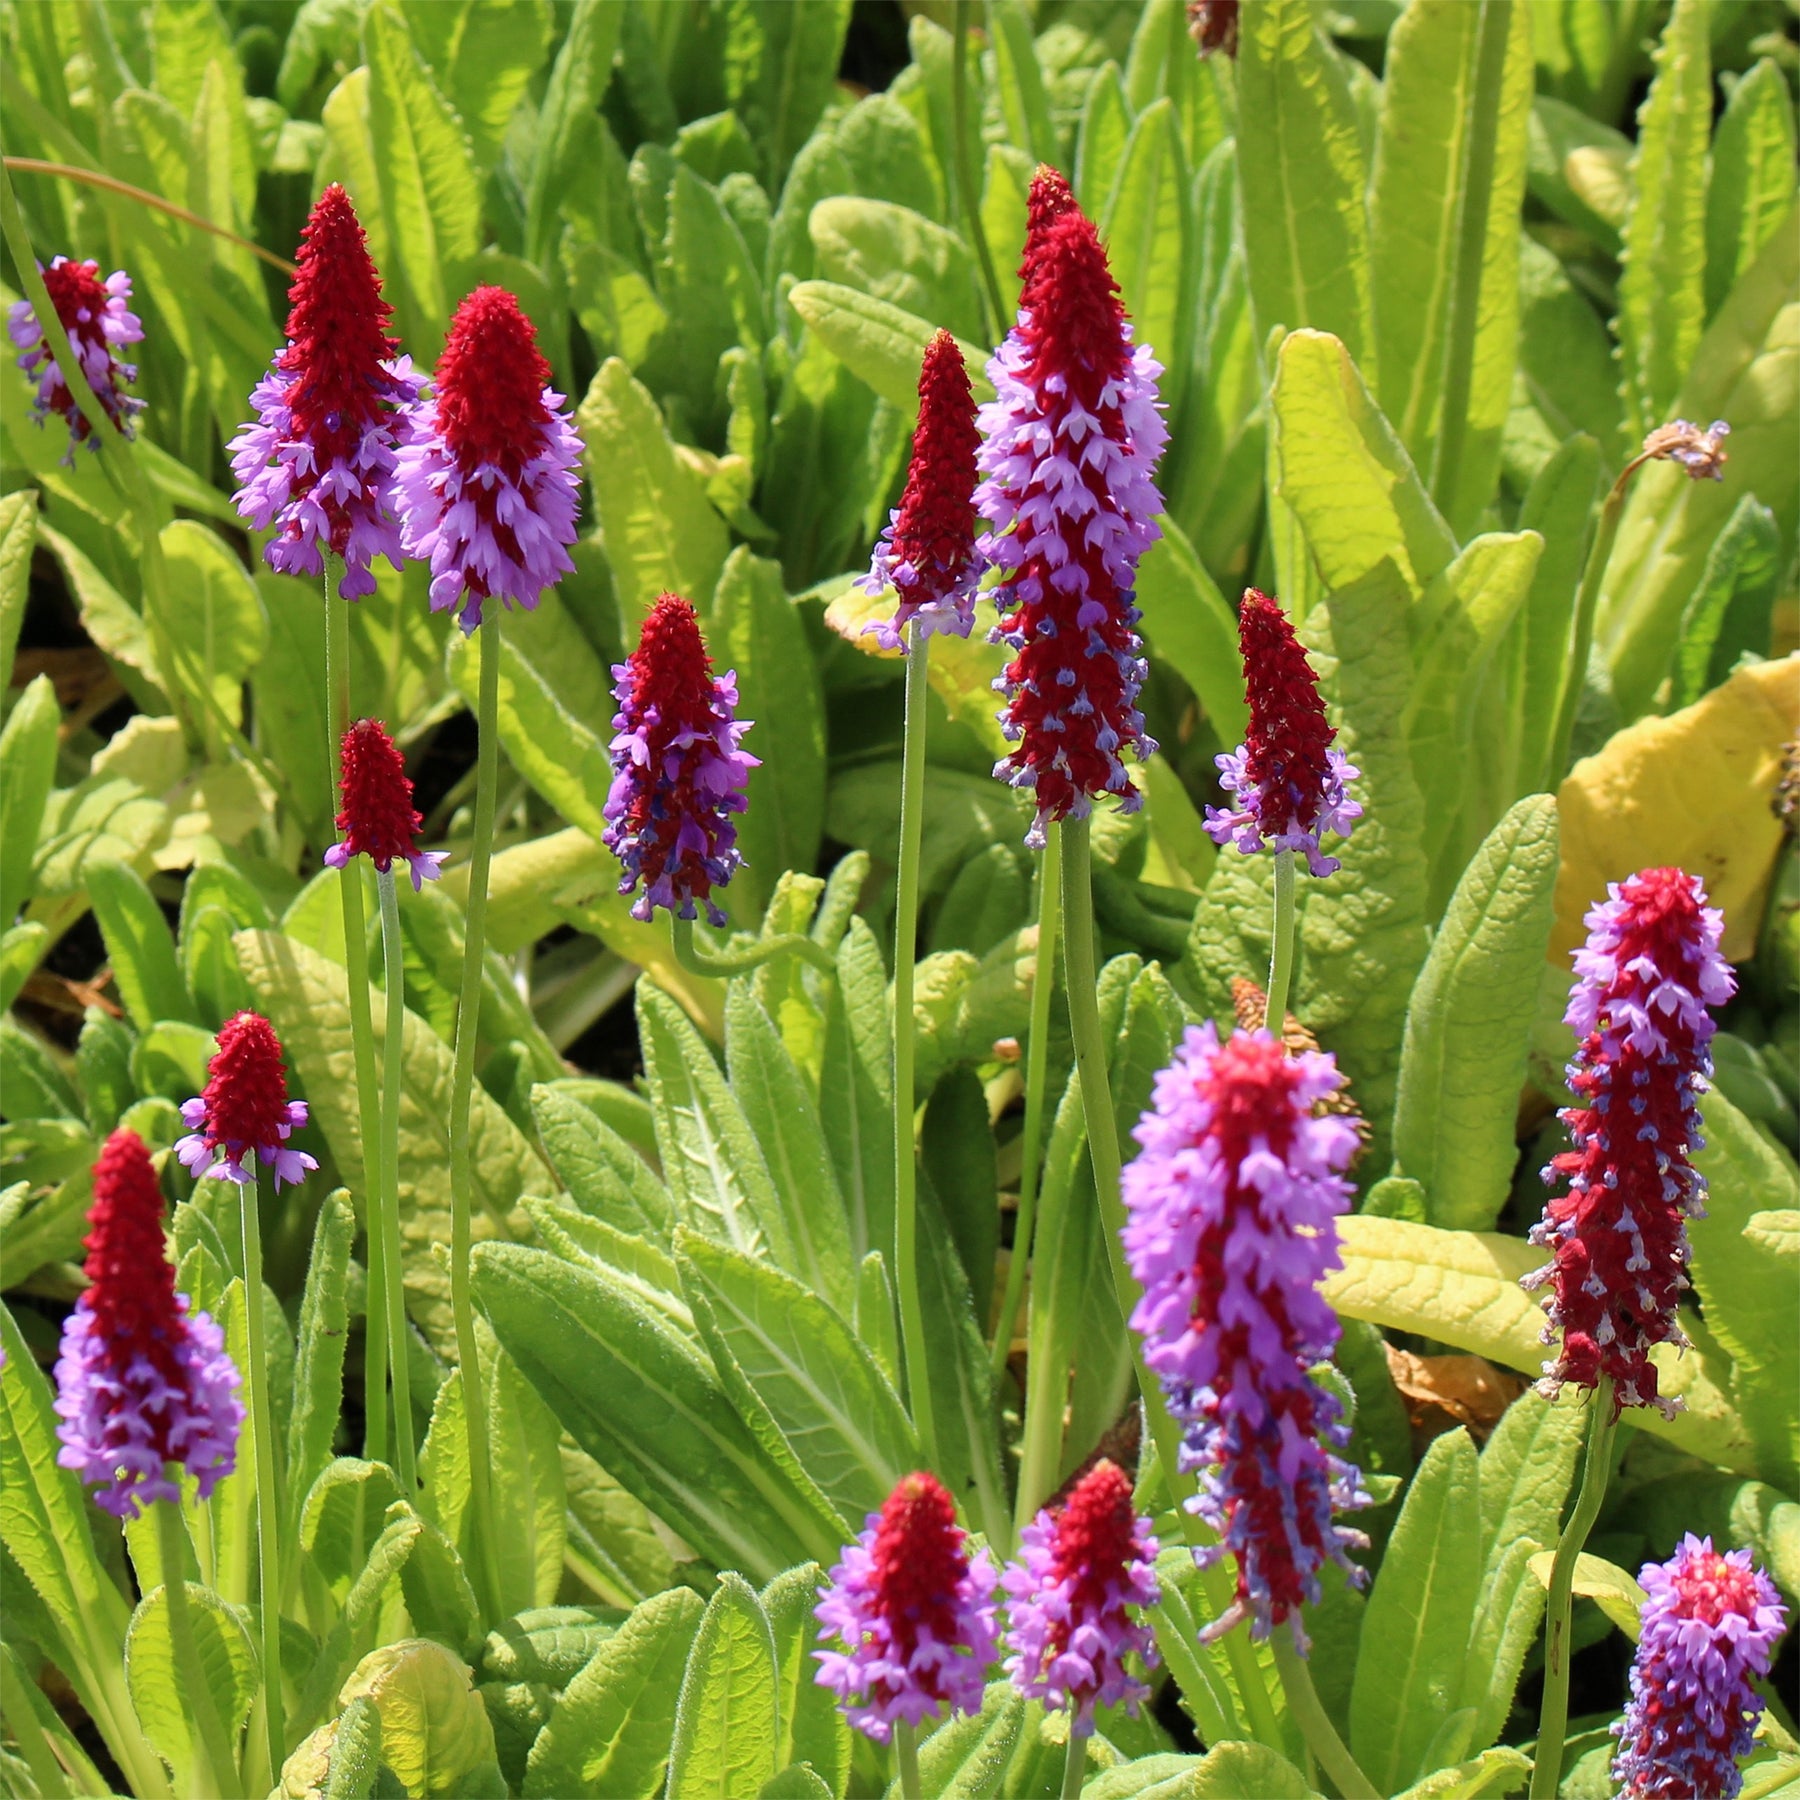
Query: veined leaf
x=728 y=1718
x=1106 y=120
x=18 y=534
x=1605 y=1583
x=900 y=256
x=881 y=343
x=812 y=1729
x=1729 y=612
x=528 y=1490
x=780 y=64
x=139 y=944
x=604 y=1174
x=227 y=1665
x=482 y=55
x=856 y=1092
x=1752 y=182
x=319 y=1361
x=1019 y=81
x=578 y=80
x=28 y=744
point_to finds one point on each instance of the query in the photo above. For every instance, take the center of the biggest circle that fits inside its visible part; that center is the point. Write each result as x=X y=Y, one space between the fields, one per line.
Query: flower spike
x=927 y=551
x=245 y=1112
x=1286 y=778
x=1711 y=1622
x=95 y=315
x=1233 y=1204
x=317 y=463
x=678 y=773
x=487 y=482
x=913 y=1612
x=1071 y=441
x=378 y=819
x=1067 y=1629
x=140 y=1381
x=1648 y=975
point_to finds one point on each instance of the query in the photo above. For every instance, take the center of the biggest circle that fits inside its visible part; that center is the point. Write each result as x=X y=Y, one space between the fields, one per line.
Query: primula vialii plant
x=899 y=912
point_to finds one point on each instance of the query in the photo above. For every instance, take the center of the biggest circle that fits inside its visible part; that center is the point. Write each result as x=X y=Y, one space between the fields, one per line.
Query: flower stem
x=268 y=1515
x=1315 y=1725
x=362 y=1035
x=965 y=175
x=462 y=1094
x=1103 y=1151
x=215 y=1768
x=906 y=934
x=906 y=1751
x=1074 y=1765
x=393 y=964
x=1281 y=946
x=1037 y=1072
x=1553 y=1717
x=740 y=962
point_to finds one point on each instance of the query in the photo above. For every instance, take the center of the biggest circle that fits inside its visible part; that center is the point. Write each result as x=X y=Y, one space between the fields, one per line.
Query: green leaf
x=1606 y=1584
x=816 y=1384
x=27 y=773
x=1229 y=1770
x=609 y=1735
x=227 y=1662
x=548 y=1644
x=435 y=1734
x=647 y=1405
x=387 y=1557
x=22 y=948
x=139 y=946
x=528 y=1490
x=780 y=64
x=1416 y=1629
x=18 y=535
x=1106 y=119
x=1752 y=181
x=602 y=1172
x=355 y=1753
x=1746 y=1284
x=856 y=1091
x=344 y=1512
x=482 y=55
x=319 y=1362
x=727 y=1721
x=812 y=1730
x=578 y=80
x=289 y=693
x=713 y=292
x=898 y=255
x=1019 y=82
x=1492 y=1773
x=1190 y=625
x=1300 y=160
x=613 y=1543
x=879 y=342
x=1468 y=1024
x=214 y=610
x=1729 y=611
x=1438 y=179
x=1662 y=297
x=968 y=1754
x=661 y=532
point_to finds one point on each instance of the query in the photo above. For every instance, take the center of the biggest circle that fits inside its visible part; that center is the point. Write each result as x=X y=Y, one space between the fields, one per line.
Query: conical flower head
x=487 y=482
x=1070 y=443
x=1068 y=1631
x=927 y=551
x=95 y=315
x=1233 y=1203
x=913 y=1612
x=317 y=462
x=1286 y=778
x=378 y=820
x=1711 y=1622
x=245 y=1112
x=678 y=773
x=140 y=1382
x=1648 y=976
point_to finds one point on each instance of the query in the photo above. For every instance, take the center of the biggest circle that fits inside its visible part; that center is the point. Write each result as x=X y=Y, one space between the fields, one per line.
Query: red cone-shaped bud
x=245 y=1112
x=378 y=820
x=927 y=552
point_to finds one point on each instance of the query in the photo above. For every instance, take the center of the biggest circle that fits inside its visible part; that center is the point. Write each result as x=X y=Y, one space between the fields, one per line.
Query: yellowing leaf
x=1605 y=1583
x=1692 y=790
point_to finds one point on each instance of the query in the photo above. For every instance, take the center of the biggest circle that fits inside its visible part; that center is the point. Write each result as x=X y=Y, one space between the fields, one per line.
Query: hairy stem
x=1315 y=1726
x=268 y=1504
x=1281 y=945
x=906 y=1753
x=393 y=1062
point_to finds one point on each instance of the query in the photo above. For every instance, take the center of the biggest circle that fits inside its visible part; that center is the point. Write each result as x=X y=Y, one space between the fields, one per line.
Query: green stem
x=33 y=1740
x=362 y=1034
x=268 y=1516
x=740 y=962
x=393 y=963
x=1492 y=29
x=965 y=175
x=906 y=1752
x=1553 y=1718
x=462 y=1094
x=215 y=1768
x=1074 y=1765
x=1103 y=1151
x=906 y=935
x=1037 y=1072
x=1281 y=946
x=1315 y=1726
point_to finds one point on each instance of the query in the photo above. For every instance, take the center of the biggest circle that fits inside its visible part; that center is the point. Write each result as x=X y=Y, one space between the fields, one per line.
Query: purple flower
x=1067 y=1628
x=94 y=314
x=1701 y=453
x=913 y=1611
x=487 y=480
x=1233 y=1204
x=245 y=1112
x=1710 y=1625
x=140 y=1381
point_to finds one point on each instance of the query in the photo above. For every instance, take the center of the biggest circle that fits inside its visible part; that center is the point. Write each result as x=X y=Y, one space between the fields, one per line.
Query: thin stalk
x=906 y=934
x=393 y=1060
x=740 y=962
x=215 y=1768
x=965 y=176
x=268 y=1515
x=1037 y=1074
x=1281 y=946
x=1103 y=1151
x=1315 y=1725
x=462 y=1094
x=1074 y=1765
x=1492 y=29
x=906 y=1753
x=362 y=1036
x=1553 y=1717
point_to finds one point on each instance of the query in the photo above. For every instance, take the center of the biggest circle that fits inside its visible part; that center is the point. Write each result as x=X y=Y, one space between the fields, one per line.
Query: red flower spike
x=245 y=1112
x=378 y=817
x=133 y=1292
x=490 y=384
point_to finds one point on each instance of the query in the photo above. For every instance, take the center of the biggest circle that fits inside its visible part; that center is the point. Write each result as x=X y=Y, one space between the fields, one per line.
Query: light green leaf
x=968 y=1754
x=609 y=1736
x=528 y=1490
x=880 y=343
x=812 y=1730
x=1752 y=182
x=856 y=1091
x=343 y=1514
x=435 y=1734
x=578 y=81
x=606 y=1177
x=482 y=55
x=1190 y=625
x=1229 y=1770
x=18 y=534
x=898 y=255
x=1606 y=1584
x=27 y=773
x=319 y=1362
x=388 y=1556
x=1106 y=120
x=1468 y=1024
x=1019 y=81
x=139 y=947
x=1492 y=1773
x=780 y=64
x=1662 y=298
x=727 y=1720
x=227 y=1662
x=1730 y=609
x=21 y=950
